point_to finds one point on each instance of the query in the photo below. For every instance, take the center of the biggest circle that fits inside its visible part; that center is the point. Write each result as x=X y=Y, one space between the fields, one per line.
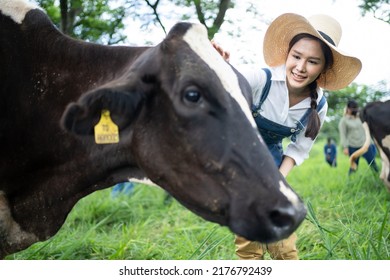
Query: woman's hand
x=225 y=54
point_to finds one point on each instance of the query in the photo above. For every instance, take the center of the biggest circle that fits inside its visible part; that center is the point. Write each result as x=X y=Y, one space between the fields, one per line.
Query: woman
x=352 y=135
x=303 y=57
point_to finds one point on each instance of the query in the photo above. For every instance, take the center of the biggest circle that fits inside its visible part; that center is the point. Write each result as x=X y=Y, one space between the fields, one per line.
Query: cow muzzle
x=268 y=222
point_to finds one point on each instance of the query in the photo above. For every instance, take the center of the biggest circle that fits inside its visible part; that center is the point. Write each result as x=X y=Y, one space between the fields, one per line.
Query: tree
x=100 y=21
x=379 y=8
x=210 y=13
x=94 y=20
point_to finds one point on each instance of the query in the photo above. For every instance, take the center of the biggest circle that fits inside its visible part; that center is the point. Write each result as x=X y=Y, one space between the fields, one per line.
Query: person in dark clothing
x=330 y=152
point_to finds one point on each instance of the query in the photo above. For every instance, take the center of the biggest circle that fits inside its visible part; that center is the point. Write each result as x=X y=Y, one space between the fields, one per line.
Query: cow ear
x=81 y=117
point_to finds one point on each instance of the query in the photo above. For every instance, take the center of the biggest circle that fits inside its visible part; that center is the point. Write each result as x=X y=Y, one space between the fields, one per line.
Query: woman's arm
x=287 y=164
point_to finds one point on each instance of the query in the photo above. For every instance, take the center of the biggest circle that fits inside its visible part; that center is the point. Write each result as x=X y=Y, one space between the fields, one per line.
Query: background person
x=125 y=188
x=352 y=135
x=330 y=151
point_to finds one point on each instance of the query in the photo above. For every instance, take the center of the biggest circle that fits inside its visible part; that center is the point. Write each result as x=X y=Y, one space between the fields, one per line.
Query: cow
x=375 y=117
x=78 y=117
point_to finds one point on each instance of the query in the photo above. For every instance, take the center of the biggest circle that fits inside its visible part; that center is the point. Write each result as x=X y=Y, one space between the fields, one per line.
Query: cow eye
x=192 y=95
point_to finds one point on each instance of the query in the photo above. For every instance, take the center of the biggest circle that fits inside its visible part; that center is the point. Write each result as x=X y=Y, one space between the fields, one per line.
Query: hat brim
x=283 y=29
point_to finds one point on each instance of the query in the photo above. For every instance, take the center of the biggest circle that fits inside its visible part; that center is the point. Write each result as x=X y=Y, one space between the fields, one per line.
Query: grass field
x=348 y=218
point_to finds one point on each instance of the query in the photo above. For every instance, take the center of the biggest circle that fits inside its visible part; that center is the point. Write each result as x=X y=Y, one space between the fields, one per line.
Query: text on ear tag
x=106 y=131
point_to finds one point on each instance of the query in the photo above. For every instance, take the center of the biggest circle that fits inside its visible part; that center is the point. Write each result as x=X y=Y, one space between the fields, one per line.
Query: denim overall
x=273 y=133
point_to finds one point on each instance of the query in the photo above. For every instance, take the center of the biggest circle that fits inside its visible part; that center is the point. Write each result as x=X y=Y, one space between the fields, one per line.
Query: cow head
x=184 y=118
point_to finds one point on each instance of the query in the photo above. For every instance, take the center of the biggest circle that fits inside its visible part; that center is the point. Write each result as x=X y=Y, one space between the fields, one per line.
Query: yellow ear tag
x=106 y=131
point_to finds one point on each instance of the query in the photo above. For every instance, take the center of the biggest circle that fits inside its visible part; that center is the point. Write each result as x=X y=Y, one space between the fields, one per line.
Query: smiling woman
x=303 y=58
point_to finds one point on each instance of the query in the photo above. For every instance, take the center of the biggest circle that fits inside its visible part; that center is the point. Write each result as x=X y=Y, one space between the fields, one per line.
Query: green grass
x=348 y=218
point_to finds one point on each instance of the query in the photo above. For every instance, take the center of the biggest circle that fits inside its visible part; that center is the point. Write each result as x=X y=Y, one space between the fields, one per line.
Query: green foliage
x=348 y=218
x=379 y=8
x=211 y=13
x=52 y=10
x=363 y=94
x=98 y=22
x=94 y=21
x=102 y=21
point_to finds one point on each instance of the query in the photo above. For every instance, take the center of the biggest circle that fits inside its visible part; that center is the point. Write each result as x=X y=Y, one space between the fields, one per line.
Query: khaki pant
x=281 y=250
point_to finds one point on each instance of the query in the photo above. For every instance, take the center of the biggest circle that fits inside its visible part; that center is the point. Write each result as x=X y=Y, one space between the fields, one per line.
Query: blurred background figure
x=352 y=135
x=126 y=188
x=330 y=152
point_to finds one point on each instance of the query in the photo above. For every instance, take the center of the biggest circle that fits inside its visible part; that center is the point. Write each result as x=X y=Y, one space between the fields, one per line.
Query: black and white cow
x=376 y=122
x=183 y=119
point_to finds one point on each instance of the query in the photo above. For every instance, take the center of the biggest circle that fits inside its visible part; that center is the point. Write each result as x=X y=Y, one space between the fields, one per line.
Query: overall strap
x=266 y=88
x=321 y=104
x=264 y=93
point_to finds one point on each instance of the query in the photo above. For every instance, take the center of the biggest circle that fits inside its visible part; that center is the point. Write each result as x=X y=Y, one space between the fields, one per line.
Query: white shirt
x=277 y=109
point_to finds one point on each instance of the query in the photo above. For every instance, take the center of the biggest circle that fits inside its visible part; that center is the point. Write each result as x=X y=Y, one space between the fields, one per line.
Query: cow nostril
x=283 y=217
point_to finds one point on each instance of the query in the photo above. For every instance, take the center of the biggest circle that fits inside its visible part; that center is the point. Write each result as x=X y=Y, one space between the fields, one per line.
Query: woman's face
x=304 y=63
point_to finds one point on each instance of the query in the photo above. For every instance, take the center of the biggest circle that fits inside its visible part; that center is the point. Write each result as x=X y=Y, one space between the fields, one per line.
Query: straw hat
x=279 y=34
